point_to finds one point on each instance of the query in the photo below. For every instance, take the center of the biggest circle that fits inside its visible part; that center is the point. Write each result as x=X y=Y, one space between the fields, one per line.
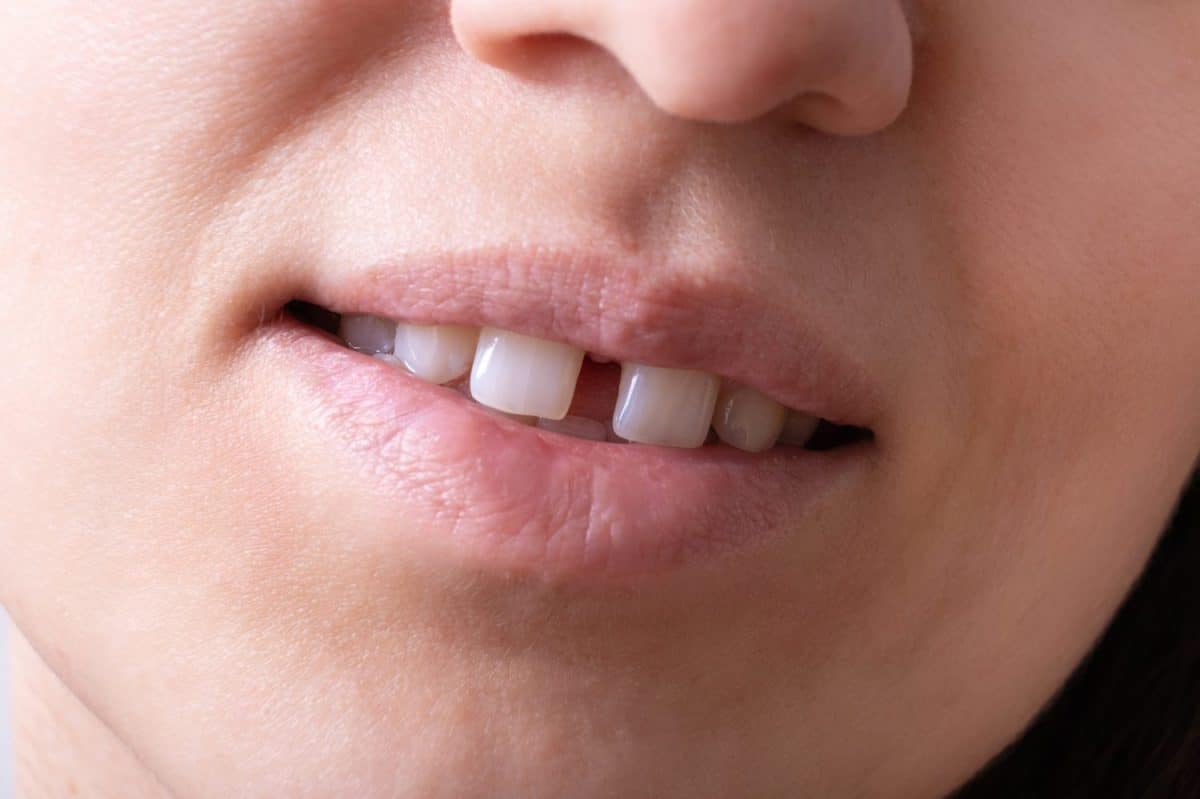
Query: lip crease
x=492 y=493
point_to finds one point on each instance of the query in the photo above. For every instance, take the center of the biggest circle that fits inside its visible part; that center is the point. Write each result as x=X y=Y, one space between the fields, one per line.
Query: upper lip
x=712 y=317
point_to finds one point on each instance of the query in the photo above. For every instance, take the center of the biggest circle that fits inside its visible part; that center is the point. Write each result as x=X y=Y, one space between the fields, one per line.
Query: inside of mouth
x=597 y=387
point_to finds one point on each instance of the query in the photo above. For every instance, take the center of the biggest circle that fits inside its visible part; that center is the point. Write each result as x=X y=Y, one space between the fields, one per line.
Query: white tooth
x=798 y=428
x=437 y=353
x=748 y=419
x=369 y=334
x=670 y=407
x=576 y=427
x=524 y=375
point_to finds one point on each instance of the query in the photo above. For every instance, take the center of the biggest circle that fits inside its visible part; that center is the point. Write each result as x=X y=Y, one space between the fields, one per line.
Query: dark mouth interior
x=827 y=436
x=313 y=316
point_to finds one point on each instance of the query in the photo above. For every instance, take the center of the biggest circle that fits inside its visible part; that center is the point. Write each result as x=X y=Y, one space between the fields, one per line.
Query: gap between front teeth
x=534 y=380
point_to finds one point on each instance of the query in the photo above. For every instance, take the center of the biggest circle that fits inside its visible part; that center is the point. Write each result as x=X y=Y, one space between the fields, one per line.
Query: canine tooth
x=576 y=427
x=798 y=428
x=748 y=419
x=521 y=374
x=437 y=353
x=369 y=334
x=670 y=407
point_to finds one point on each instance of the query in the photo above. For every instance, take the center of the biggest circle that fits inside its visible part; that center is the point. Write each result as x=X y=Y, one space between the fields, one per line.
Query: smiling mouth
x=566 y=415
x=562 y=390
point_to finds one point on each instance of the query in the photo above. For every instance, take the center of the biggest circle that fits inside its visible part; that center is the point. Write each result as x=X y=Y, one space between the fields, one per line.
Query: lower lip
x=494 y=494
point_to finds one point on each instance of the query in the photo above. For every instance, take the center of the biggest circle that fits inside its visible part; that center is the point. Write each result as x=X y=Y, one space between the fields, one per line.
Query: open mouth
x=561 y=389
x=573 y=416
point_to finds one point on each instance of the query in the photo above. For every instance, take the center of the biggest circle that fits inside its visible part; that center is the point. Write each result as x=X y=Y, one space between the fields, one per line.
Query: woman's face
x=278 y=567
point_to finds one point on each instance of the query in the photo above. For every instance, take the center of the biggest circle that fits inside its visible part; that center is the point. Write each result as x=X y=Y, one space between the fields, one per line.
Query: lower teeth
x=576 y=427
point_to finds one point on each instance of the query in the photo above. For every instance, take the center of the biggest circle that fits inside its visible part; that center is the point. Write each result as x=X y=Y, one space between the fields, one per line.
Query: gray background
x=6 y=764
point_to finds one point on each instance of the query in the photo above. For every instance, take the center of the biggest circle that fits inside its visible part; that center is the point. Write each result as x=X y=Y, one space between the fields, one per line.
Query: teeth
x=532 y=382
x=798 y=428
x=369 y=334
x=747 y=419
x=669 y=407
x=524 y=375
x=576 y=427
x=437 y=353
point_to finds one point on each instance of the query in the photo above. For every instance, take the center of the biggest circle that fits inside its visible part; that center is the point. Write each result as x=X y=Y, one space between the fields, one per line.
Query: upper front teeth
x=531 y=377
x=671 y=407
x=437 y=353
x=524 y=375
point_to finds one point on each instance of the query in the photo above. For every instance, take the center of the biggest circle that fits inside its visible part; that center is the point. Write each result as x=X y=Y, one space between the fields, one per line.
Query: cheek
x=1078 y=281
x=1047 y=447
x=1065 y=260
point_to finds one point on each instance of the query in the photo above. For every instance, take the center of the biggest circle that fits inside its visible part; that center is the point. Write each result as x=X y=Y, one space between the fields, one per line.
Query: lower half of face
x=359 y=396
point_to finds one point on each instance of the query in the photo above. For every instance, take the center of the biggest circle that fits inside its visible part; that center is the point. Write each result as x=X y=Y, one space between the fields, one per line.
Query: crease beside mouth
x=577 y=410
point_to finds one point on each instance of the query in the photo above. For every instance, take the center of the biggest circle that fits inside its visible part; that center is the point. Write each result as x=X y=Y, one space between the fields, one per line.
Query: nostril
x=552 y=57
x=840 y=67
x=548 y=47
x=518 y=33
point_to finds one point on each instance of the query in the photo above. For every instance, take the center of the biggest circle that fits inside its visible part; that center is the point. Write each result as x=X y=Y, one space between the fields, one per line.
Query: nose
x=840 y=66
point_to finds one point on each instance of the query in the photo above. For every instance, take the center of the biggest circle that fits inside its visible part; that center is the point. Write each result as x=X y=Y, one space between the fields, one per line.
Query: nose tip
x=840 y=66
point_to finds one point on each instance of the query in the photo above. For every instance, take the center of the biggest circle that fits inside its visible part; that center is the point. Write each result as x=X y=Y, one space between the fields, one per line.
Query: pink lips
x=717 y=318
x=466 y=483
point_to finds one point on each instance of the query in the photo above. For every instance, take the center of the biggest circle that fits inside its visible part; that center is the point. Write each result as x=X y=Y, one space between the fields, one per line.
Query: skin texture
x=1002 y=227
